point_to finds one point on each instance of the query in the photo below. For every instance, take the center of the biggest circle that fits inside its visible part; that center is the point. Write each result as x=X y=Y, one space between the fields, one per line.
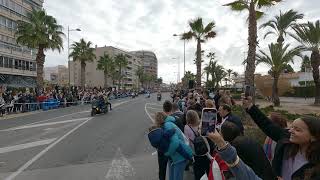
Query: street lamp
x=69 y=49
x=184 y=53
x=178 y=75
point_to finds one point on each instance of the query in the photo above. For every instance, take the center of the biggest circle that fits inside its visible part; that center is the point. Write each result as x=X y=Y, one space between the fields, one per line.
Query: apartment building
x=17 y=63
x=95 y=78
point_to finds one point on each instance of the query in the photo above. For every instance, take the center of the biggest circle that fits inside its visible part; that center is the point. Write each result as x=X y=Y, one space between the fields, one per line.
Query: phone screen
x=208 y=120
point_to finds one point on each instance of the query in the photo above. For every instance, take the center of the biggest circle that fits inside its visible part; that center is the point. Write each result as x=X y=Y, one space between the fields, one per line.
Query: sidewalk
x=294 y=105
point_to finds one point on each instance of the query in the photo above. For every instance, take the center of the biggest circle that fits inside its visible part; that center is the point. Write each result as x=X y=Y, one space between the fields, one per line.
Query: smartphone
x=208 y=121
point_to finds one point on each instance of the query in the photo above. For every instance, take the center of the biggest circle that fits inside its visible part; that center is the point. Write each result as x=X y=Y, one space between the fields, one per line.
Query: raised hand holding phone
x=208 y=121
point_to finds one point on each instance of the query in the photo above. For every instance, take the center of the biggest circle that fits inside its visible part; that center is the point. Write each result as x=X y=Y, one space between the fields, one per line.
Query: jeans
x=162 y=162
x=177 y=169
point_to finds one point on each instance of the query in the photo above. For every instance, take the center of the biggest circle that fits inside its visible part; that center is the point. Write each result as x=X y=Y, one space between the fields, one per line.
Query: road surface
x=68 y=144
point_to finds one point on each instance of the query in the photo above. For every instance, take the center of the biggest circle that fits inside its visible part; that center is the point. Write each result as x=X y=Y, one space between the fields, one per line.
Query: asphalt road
x=68 y=144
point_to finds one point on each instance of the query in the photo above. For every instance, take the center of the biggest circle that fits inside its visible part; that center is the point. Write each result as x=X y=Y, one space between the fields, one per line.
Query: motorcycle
x=95 y=109
x=159 y=97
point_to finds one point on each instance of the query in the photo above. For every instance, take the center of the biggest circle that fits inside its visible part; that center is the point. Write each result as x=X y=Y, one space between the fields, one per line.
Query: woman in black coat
x=297 y=154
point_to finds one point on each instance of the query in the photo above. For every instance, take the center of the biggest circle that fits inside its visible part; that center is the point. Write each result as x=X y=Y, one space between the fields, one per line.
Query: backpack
x=201 y=145
x=179 y=121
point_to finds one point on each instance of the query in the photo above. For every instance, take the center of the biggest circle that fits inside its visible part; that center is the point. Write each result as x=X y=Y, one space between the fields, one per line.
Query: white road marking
x=26 y=145
x=159 y=109
x=145 y=109
x=154 y=153
x=54 y=118
x=120 y=168
x=36 y=157
x=45 y=124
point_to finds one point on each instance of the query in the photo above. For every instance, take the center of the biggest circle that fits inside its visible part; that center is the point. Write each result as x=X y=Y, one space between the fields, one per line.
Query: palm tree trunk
x=252 y=41
x=275 y=95
x=105 y=80
x=40 y=61
x=315 y=63
x=83 y=74
x=198 y=64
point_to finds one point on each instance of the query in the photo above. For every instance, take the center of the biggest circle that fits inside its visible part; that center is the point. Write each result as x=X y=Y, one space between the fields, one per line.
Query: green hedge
x=301 y=92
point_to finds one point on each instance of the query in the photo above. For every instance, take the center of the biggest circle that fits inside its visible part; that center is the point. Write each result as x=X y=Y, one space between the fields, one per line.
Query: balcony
x=13 y=71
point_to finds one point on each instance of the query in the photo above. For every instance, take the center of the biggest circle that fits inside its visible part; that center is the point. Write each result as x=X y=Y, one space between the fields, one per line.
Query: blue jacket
x=160 y=139
x=176 y=140
x=241 y=171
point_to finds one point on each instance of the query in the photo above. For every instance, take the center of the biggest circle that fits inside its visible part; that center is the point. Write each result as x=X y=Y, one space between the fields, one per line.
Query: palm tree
x=220 y=74
x=254 y=15
x=187 y=77
x=280 y=56
x=41 y=32
x=140 y=73
x=83 y=52
x=229 y=71
x=281 y=23
x=120 y=61
x=306 y=64
x=201 y=34
x=309 y=36
x=105 y=64
x=235 y=74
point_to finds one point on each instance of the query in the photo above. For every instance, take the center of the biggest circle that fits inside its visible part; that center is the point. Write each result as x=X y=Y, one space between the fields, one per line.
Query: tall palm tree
x=140 y=73
x=201 y=34
x=121 y=62
x=105 y=63
x=229 y=71
x=306 y=64
x=280 y=56
x=281 y=23
x=41 y=32
x=309 y=36
x=254 y=15
x=82 y=52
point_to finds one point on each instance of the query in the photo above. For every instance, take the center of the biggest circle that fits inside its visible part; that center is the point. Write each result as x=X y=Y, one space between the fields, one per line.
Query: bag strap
x=193 y=131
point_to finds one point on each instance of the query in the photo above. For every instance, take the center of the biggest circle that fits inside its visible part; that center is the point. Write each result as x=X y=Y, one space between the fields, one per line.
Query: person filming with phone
x=296 y=154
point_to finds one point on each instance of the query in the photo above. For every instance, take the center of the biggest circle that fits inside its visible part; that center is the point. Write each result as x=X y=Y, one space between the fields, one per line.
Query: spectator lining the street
x=269 y=144
x=297 y=151
x=250 y=151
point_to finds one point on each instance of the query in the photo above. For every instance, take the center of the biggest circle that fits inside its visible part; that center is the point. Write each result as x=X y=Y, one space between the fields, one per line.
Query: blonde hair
x=159 y=118
x=209 y=104
x=192 y=117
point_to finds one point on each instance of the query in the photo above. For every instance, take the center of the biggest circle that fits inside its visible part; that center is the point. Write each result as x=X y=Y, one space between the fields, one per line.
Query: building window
x=23 y=64
x=16 y=63
x=27 y=65
x=6 y=62
x=10 y=62
x=1 y=61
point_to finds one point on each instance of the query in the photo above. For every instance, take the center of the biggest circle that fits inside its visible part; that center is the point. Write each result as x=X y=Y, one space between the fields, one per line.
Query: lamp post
x=184 y=53
x=69 y=49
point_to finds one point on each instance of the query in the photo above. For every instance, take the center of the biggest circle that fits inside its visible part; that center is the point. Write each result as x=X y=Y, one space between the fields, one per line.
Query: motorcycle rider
x=106 y=99
x=101 y=102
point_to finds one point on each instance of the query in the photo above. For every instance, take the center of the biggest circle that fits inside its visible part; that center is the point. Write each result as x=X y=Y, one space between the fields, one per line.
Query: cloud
x=150 y=24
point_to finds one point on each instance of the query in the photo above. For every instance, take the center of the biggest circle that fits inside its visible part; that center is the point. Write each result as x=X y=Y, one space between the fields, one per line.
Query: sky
x=150 y=24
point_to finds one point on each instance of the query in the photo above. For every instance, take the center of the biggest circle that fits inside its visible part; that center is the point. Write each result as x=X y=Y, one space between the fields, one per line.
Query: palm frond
x=239 y=5
x=259 y=14
x=196 y=25
x=308 y=34
x=188 y=36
